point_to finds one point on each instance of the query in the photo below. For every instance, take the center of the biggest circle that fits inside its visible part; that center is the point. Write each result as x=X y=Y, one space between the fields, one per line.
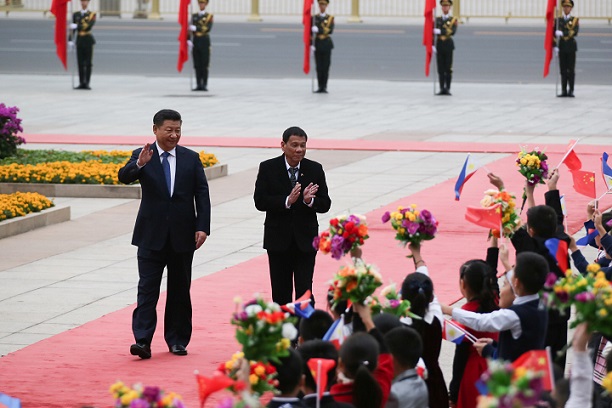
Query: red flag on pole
x=307 y=22
x=59 y=8
x=540 y=362
x=319 y=369
x=183 y=19
x=488 y=217
x=570 y=158
x=212 y=384
x=548 y=36
x=584 y=182
x=430 y=6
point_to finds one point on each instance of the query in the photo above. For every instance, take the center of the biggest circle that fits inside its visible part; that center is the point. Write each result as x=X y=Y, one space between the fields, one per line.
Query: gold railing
x=353 y=10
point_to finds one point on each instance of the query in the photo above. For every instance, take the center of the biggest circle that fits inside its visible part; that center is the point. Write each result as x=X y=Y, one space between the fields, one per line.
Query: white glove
x=313 y=48
x=315 y=29
x=556 y=51
x=433 y=49
x=192 y=28
x=190 y=44
x=73 y=26
x=70 y=45
x=437 y=31
x=558 y=33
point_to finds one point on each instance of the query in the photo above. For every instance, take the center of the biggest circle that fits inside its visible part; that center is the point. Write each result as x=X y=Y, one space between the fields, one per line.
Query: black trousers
x=567 y=66
x=323 y=61
x=201 y=59
x=444 y=61
x=84 y=49
x=556 y=339
x=287 y=267
x=178 y=314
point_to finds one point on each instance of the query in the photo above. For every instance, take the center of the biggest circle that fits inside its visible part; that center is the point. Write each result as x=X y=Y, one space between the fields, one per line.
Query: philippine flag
x=452 y=332
x=335 y=334
x=558 y=250
x=606 y=171
x=468 y=170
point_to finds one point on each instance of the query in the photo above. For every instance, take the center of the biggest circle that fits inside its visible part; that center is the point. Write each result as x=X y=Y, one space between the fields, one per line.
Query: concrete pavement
x=59 y=277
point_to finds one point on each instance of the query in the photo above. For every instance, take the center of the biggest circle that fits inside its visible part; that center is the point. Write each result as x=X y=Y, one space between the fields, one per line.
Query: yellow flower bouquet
x=140 y=396
x=510 y=219
x=355 y=282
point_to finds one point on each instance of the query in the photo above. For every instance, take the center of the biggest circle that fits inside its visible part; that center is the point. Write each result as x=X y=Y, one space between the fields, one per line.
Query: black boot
x=442 y=87
x=570 y=81
x=448 y=83
x=563 y=86
x=87 y=77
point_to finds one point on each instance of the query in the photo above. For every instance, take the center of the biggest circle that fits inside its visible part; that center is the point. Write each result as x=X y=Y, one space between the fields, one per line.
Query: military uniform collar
x=202 y=12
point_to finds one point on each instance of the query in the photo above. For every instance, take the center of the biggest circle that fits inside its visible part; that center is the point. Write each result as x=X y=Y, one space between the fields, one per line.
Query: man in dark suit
x=566 y=47
x=446 y=27
x=82 y=23
x=201 y=24
x=322 y=28
x=173 y=221
x=291 y=190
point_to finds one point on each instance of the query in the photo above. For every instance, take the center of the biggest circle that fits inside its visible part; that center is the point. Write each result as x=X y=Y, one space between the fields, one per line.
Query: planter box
x=93 y=190
x=19 y=225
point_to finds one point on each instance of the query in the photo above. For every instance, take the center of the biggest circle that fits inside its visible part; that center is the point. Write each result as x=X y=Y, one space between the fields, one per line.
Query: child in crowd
x=408 y=389
x=365 y=367
x=545 y=226
x=418 y=289
x=290 y=380
x=315 y=326
x=522 y=326
x=319 y=349
x=476 y=285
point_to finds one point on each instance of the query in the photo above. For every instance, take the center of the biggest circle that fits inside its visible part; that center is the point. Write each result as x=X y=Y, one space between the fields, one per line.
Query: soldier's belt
x=84 y=33
x=322 y=36
x=197 y=34
x=443 y=37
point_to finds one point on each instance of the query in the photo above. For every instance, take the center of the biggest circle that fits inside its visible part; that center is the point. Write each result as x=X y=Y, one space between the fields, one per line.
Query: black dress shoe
x=570 y=95
x=178 y=350
x=321 y=90
x=563 y=95
x=141 y=350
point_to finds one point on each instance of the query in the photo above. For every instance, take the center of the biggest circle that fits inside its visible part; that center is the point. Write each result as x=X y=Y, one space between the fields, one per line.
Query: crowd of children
x=377 y=363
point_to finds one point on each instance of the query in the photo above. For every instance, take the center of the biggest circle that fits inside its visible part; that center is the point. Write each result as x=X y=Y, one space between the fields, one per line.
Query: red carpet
x=76 y=368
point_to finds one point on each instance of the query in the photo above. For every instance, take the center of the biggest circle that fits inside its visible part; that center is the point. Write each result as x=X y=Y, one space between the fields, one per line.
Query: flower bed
x=61 y=167
x=20 y=204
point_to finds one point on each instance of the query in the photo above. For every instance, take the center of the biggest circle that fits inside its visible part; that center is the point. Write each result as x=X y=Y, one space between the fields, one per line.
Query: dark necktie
x=166 y=167
x=292 y=177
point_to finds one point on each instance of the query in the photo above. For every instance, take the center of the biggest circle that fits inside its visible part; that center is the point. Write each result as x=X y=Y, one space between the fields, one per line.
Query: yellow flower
x=413 y=206
x=253 y=379
x=602 y=312
x=260 y=370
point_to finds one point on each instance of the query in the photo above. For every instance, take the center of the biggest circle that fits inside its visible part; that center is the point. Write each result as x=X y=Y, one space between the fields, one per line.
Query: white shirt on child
x=498 y=320
x=434 y=309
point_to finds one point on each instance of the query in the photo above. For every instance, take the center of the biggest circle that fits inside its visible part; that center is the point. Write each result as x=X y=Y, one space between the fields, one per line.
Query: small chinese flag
x=540 y=362
x=584 y=182
x=319 y=369
x=210 y=385
x=488 y=217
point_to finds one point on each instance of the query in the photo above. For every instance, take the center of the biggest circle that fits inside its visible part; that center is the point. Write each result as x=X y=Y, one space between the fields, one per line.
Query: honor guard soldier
x=201 y=24
x=82 y=23
x=322 y=28
x=446 y=27
x=566 y=47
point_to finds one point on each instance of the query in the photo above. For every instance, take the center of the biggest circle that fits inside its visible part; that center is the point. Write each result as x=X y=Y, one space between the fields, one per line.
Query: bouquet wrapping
x=345 y=234
x=510 y=219
x=355 y=283
x=264 y=330
x=591 y=295
x=411 y=225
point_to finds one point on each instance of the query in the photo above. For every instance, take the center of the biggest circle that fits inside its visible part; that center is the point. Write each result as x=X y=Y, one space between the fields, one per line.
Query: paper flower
x=590 y=294
x=345 y=234
x=510 y=219
x=262 y=329
x=532 y=165
x=355 y=282
x=503 y=386
x=411 y=225
x=140 y=396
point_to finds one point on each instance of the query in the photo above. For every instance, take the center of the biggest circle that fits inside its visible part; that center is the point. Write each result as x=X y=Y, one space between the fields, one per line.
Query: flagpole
x=319 y=383
x=312 y=43
x=73 y=49
x=567 y=153
x=190 y=10
x=470 y=336
x=557 y=56
x=436 y=58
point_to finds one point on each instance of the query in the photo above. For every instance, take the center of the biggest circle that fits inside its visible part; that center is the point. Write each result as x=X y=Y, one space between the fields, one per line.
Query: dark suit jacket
x=299 y=222
x=162 y=217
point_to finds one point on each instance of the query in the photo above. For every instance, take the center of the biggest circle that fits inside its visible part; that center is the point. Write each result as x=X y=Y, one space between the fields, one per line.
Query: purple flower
x=151 y=394
x=394 y=303
x=226 y=403
x=241 y=317
x=386 y=217
x=551 y=279
x=337 y=245
x=412 y=227
x=585 y=297
x=139 y=403
x=315 y=242
x=426 y=217
x=563 y=296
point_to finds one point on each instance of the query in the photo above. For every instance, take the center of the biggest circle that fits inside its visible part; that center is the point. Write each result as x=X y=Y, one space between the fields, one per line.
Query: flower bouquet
x=355 y=283
x=345 y=234
x=264 y=330
x=392 y=303
x=510 y=219
x=261 y=377
x=411 y=225
x=532 y=165
x=591 y=295
x=144 y=397
x=503 y=386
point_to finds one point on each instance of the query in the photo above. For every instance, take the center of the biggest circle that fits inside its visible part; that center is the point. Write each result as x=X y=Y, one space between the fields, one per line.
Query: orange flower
x=350 y=286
